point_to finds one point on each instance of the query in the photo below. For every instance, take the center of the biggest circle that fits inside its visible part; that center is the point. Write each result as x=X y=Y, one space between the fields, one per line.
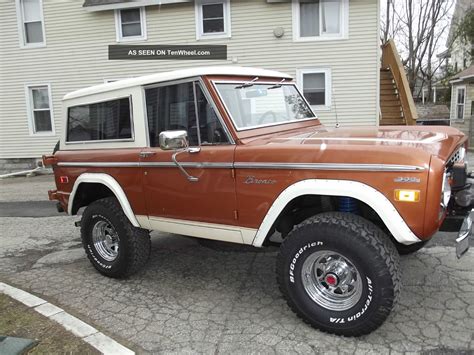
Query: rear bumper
x=54 y=195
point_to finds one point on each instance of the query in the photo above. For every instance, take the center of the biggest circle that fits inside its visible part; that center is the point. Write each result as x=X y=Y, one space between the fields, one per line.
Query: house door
x=172 y=198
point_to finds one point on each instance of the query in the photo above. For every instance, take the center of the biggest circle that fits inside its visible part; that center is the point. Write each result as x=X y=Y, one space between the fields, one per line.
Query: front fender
x=357 y=190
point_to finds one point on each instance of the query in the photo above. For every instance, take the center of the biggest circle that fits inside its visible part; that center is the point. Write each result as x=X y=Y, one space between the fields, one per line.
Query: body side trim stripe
x=273 y=166
x=329 y=166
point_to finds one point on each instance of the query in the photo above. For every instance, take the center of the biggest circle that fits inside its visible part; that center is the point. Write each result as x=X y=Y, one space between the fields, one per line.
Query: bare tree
x=417 y=27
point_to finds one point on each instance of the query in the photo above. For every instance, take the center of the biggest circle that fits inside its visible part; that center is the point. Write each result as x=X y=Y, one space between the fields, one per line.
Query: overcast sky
x=399 y=3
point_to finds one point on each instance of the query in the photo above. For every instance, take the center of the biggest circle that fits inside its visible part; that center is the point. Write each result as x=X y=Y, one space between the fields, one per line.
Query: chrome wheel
x=331 y=280
x=106 y=240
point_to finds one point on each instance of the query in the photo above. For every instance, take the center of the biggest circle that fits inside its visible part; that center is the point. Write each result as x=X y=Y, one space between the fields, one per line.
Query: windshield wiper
x=277 y=86
x=247 y=84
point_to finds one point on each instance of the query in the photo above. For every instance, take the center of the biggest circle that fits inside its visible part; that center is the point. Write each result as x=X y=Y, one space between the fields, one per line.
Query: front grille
x=457 y=157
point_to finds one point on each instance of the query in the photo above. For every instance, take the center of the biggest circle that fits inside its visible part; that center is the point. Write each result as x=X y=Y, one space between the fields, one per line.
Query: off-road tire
x=134 y=243
x=368 y=249
x=409 y=249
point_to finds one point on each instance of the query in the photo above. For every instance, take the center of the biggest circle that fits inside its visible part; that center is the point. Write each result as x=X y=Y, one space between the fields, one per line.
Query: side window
x=109 y=120
x=174 y=108
x=316 y=87
x=212 y=19
x=320 y=19
x=31 y=18
x=210 y=128
x=39 y=109
x=130 y=24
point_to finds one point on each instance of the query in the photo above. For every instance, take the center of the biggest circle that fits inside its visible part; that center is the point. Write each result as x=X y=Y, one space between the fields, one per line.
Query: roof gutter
x=461 y=79
x=131 y=4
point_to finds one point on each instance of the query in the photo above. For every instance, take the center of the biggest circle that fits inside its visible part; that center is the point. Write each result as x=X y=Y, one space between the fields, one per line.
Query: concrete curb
x=87 y=333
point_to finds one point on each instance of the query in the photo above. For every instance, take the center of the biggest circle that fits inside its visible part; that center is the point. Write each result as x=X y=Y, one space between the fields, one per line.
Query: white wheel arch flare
x=357 y=190
x=112 y=184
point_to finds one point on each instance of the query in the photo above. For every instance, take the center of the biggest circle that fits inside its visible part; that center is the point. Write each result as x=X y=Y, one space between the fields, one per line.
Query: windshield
x=258 y=105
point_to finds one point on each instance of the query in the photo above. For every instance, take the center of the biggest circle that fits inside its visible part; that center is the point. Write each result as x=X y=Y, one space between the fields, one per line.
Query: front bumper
x=462 y=241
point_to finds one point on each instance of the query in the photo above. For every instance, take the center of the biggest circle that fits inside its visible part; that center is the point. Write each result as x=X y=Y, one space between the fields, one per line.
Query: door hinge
x=236 y=214
x=233 y=173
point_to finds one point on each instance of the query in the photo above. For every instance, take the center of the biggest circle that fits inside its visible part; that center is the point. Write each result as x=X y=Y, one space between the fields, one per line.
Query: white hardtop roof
x=176 y=75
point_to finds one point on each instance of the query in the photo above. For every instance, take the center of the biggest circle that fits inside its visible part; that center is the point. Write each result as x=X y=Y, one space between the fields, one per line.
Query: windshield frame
x=276 y=82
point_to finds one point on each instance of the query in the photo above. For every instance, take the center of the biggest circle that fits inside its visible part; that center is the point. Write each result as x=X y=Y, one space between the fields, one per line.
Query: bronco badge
x=253 y=180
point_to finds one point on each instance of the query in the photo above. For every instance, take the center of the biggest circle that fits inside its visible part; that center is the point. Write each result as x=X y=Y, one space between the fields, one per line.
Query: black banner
x=167 y=52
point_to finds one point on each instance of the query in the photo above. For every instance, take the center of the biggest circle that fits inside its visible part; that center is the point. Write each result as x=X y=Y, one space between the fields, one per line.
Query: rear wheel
x=113 y=245
x=340 y=273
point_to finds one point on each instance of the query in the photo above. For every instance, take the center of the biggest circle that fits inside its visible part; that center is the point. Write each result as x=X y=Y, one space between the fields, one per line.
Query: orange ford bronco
x=238 y=155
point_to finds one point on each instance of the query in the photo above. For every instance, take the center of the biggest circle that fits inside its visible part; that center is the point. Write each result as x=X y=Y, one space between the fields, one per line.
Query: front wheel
x=409 y=249
x=113 y=245
x=339 y=273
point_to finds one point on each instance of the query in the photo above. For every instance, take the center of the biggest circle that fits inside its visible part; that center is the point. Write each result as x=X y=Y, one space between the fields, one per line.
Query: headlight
x=445 y=191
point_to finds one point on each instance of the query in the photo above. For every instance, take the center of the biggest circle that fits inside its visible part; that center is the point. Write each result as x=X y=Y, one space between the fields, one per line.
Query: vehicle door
x=199 y=184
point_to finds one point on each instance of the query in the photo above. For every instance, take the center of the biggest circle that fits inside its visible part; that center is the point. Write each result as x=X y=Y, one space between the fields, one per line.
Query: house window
x=460 y=102
x=320 y=19
x=212 y=19
x=316 y=87
x=130 y=24
x=40 y=109
x=31 y=23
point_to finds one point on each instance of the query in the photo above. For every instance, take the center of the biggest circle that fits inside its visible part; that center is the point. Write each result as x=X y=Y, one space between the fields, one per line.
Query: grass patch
x=17 y=320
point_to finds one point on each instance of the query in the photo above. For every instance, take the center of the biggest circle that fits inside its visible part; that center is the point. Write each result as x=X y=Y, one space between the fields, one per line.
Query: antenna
x=335 y=107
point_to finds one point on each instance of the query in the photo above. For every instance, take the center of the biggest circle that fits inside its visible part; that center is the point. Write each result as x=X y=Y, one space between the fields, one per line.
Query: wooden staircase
x=396 y=101
x=390 y=105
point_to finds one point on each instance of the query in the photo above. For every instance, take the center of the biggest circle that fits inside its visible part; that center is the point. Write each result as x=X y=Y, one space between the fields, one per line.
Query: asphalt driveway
x=193 y=299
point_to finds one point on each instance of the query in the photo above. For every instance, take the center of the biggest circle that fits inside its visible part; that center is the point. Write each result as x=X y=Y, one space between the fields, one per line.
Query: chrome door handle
x=146 y=154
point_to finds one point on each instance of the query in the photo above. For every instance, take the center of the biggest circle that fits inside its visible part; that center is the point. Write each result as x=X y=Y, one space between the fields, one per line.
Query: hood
x=386 y=144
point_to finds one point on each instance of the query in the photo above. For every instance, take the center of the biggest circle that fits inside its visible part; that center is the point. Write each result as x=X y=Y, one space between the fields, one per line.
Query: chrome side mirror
x=178 y=141
x=173 y=140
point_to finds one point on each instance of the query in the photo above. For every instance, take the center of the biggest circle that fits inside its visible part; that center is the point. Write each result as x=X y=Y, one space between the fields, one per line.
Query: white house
x=49 y=48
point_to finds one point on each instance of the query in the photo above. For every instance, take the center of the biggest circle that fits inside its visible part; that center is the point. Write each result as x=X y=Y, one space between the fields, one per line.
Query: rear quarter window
x=103 y=121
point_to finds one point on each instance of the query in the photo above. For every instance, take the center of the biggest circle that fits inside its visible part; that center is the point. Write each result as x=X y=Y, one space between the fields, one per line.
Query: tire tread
x=138 y=240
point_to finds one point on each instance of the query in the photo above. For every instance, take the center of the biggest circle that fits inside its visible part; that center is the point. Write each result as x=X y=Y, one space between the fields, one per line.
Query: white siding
x=76 y=56
x=463 y=125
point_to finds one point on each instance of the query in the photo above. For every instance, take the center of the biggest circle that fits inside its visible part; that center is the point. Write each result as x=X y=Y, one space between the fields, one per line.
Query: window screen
x=41 y=112
x=213 y=18
x=309 y=18
x=131 y=22
x=101 y=121
x=32 y=21
x=314 y=88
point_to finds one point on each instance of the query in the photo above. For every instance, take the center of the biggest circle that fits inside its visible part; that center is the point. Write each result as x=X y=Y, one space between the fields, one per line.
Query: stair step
x=388 y=91
x=390 y=106
x=390 y=115
x=392 y=122
x=388 y=94
x=391 y=109
x=387 y=73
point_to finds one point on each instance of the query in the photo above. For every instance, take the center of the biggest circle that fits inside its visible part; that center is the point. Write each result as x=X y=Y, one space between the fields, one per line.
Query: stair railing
x=391 y=60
